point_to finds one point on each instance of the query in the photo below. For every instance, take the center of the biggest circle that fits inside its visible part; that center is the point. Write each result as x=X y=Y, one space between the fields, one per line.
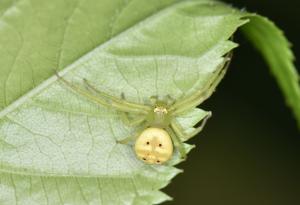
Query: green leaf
x=270 y=41
x=57 y=147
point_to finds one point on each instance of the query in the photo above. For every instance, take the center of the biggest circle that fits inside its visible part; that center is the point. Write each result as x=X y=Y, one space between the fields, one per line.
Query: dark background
x=249 y=152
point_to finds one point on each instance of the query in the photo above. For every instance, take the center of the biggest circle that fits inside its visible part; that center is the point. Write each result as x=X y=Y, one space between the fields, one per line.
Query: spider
x=159 y=131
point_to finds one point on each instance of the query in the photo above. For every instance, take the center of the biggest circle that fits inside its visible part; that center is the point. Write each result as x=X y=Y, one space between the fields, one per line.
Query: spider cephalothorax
x=158 y=128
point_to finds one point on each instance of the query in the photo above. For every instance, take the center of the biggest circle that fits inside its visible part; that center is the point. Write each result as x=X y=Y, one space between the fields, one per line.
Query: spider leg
x=108 y=101
x=131 y=122
x=178 y=130
x=76 y=89
x=201 y=95
x=127 y=120
x=186 y=136
x=177 y=142
x=200 y=128
x=115 y=99
x=205 y=93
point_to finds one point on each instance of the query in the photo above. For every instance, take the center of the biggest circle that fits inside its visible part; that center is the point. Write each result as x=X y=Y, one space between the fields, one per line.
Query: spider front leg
x=104 y=99
x=131 y=122
x=194 y=100
x=116 y=100
x=177 y=142
x=186 y=136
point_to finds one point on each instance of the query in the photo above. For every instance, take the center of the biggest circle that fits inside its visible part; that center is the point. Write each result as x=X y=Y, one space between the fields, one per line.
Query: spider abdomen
x=154 y=146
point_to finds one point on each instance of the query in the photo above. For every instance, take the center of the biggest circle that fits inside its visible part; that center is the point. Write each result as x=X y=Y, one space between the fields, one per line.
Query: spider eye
x=144 y=159
x=160 y=145
x=158 y=161
x=148 y=143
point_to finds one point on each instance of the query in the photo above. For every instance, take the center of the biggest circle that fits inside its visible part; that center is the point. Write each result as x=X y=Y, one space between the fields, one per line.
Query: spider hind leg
x=177 y=142
x=186 y=136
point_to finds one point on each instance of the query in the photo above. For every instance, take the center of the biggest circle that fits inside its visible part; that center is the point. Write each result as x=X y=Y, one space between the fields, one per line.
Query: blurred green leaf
x=275 y=48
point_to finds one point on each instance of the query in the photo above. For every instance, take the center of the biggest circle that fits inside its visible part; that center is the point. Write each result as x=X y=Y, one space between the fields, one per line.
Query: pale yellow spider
x=159 y=128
